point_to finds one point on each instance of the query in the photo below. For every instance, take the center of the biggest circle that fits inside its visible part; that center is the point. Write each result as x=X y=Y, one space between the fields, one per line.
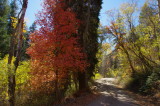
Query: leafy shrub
x=136 y=82
x=3 y=80
x=22 y=77
x=144 y=83
x=97 y=76
x=152 y=84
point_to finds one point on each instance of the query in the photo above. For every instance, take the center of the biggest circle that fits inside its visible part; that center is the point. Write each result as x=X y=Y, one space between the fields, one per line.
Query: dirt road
x=111 y=95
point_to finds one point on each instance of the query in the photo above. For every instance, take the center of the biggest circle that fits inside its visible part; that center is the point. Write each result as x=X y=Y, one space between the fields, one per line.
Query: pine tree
x=32 y=28
x=87 y=12
x=26 y=41
x=4 y=10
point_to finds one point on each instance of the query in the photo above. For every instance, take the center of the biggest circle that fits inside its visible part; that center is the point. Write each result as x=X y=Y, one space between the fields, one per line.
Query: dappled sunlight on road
x=111 y=95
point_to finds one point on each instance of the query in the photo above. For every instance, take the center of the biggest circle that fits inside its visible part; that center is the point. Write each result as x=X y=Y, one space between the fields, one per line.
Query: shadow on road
x=112 y=95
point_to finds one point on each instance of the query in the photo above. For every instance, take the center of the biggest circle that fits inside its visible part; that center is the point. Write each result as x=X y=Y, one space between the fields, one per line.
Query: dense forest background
x=133 y=50
x=67 y=48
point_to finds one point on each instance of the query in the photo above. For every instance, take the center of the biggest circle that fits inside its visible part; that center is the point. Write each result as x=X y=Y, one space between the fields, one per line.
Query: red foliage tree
x=55 y=52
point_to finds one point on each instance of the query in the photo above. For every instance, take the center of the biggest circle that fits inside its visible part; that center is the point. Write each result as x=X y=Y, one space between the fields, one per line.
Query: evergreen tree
x=87 y=12
x=12 y=14
x=32 y=28
x=26 y=41
x=4 y=8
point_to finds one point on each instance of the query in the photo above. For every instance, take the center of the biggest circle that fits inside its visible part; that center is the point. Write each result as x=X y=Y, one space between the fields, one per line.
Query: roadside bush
x=97 y=76
x=152 y=84
x=144 y=83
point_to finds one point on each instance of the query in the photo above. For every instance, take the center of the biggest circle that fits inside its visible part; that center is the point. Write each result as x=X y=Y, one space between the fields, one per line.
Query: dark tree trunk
x=56 y=86
x=11 y=88
x=18 y=33
x=82 y=75
x=82 y=81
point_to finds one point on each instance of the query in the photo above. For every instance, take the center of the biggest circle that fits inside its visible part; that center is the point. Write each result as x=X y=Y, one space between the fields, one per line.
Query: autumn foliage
x=55 y=52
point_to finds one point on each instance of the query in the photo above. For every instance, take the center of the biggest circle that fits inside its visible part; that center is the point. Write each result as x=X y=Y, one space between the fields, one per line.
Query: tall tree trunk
x=83 y=86
x=11 y=87
x=129 y=59
x=56 y=86
x=18 y=33
x=83 y=83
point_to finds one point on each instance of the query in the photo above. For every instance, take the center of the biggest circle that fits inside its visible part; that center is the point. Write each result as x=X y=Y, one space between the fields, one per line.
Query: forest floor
x=108 y=93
